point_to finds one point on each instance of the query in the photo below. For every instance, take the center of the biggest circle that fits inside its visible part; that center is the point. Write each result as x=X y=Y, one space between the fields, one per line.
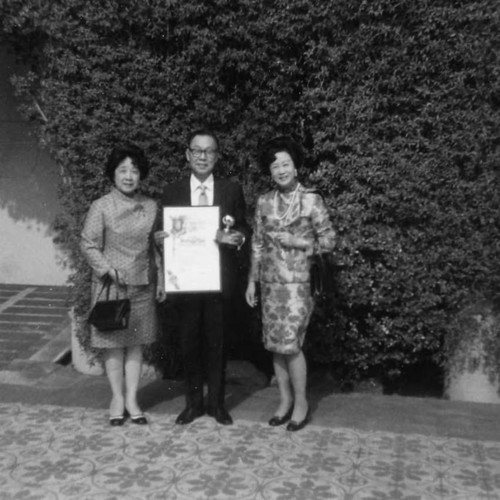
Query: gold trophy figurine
x=228 y=222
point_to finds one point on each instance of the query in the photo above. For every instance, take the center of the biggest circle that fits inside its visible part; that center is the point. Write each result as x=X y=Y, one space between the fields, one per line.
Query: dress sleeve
x=257 y=243
x=92 y=240
x=323 y=229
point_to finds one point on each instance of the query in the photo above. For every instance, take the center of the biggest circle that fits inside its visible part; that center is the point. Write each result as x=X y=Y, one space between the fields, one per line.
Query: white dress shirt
x=196 y=189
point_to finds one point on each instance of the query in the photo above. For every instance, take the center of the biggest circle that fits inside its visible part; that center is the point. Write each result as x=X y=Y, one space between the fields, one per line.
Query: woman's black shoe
x=296 y=426
x=138 y=419
x=275 y=421
x=117 y=421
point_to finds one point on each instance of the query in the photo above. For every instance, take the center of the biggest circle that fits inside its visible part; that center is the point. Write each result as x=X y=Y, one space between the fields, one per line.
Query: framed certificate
x=191 y=254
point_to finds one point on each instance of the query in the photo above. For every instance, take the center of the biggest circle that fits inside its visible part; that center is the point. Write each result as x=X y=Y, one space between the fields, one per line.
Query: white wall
x=28 y=197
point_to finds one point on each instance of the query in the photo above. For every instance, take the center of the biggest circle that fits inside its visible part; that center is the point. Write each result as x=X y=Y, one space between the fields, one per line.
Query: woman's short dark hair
x=280 y=144
x=123 y=151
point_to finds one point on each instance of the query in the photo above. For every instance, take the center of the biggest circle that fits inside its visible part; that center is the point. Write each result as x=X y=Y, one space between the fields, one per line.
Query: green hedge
x=396 y=103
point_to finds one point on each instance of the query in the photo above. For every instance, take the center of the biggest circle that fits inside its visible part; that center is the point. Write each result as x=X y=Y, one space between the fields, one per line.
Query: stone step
x=32 y=319
x=48 y=309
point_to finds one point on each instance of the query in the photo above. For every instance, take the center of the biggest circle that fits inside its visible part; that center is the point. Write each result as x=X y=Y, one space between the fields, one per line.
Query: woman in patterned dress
x=117 y=241
x=291 y=223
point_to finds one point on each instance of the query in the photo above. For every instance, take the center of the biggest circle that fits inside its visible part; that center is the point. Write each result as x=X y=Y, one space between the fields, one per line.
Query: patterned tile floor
x=52 y=452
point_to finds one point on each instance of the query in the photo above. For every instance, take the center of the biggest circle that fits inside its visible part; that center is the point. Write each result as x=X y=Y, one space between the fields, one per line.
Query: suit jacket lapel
x=217 y=193
x=183 y=195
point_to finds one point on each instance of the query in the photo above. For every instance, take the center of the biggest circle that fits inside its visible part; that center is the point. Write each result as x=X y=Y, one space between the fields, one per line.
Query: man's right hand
x=233 y=238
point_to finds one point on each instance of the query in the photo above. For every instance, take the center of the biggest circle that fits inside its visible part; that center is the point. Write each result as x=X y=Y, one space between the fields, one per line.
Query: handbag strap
x=319 y=277
x=107 y=285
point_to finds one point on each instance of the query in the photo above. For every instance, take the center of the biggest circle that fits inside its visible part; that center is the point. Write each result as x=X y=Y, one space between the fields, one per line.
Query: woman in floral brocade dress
x=291 y=223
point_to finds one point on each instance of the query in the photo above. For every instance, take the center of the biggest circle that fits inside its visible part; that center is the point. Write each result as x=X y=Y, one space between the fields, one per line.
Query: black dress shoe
x=275 y=421
x=139 y=419
x=296 y=426
x=221 y=415
x=117 y=421
x=188 y=415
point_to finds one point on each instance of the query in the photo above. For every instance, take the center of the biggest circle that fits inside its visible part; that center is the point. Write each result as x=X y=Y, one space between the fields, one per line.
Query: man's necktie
x=203 y=199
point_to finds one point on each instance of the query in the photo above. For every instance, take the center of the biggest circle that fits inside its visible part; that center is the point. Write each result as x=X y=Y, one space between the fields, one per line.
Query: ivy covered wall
x=396 y=103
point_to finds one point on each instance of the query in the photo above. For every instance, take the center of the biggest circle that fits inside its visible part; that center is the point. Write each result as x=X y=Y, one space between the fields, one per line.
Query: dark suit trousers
x=202 y=347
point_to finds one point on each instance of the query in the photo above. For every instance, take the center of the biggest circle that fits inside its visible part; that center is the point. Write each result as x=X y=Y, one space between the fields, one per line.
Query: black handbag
x=110 y=314
x=322 y=269
x=322 y=274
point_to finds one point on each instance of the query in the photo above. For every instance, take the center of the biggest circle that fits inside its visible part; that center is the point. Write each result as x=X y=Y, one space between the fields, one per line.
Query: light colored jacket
x=118 y=234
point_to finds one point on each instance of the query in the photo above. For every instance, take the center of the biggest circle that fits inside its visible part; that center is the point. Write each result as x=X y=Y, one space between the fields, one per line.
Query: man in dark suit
x=206 y=316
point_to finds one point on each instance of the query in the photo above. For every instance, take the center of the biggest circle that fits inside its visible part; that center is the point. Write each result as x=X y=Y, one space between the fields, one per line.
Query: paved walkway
x=55 y=443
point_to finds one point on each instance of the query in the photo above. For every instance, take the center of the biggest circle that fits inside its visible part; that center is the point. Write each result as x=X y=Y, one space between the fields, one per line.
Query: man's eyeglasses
x=197 y=153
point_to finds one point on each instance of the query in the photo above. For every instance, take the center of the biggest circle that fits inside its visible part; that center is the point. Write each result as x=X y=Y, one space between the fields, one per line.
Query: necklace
x=286 y=215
